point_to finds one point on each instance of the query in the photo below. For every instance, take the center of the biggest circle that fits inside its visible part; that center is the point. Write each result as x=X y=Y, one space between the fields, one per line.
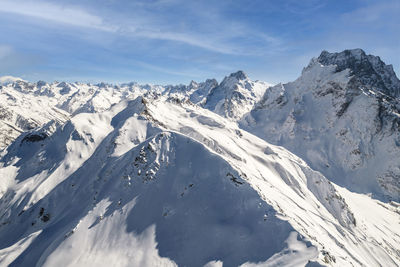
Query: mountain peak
x=239 y=75
x=193 y=84
x=41 y=83
x=9 y=79
x=369 y=70
x=345 y=54
x=230 y=82
x=349 y=58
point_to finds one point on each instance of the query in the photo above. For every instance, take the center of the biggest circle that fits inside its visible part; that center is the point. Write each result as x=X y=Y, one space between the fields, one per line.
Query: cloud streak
x=73 y=16
x=142 y=27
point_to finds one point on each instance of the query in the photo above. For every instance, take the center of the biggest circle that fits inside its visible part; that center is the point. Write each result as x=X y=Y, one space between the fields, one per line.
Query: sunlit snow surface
x=187 y=187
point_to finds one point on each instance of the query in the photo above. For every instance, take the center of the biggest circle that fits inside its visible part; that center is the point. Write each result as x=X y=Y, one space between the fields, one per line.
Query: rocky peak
x=235 y=95
x=210 y=83
x=102 y=85
x=193 y=84
x=370 y=71
x=235 y=80
x=201 y=90
x=40 y=84
x=65 y=88
x=239 y=75
x=342 y=59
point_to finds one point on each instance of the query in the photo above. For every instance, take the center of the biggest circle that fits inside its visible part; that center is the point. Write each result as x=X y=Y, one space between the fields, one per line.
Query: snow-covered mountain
x=342 y=116
x=152 y=181
x=143 y=175
x=9 y=79
x=235 y=96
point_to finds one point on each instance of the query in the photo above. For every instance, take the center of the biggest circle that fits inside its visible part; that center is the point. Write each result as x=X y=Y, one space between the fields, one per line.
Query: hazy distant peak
x=9 y=79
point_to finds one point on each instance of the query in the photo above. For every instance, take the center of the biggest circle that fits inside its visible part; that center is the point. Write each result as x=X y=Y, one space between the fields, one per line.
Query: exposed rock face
x=369 y=71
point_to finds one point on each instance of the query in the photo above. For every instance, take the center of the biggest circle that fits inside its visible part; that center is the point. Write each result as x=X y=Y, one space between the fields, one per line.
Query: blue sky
x=175 y=41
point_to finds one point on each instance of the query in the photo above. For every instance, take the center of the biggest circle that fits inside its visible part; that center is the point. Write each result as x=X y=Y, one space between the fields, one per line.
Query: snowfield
x=135 y=175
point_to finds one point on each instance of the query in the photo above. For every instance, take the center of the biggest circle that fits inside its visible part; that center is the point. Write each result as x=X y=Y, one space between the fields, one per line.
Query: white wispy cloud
x=145 y=25
x=187 y=38
x=381 y=13
x=70 y=15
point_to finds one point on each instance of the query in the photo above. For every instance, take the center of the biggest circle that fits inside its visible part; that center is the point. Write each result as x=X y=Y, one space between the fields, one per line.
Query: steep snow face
x=338 y=117
x=235 y=96
x=155 y=181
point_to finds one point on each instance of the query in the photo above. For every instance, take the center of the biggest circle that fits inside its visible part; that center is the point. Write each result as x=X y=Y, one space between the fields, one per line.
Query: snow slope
x=161 y=181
